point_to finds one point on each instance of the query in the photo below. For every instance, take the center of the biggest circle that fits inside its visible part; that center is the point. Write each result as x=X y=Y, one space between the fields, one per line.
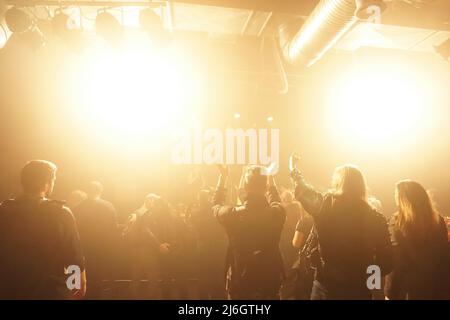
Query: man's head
x=255 y=180
x=94 y=190
x=38 y=177
x=151 y=200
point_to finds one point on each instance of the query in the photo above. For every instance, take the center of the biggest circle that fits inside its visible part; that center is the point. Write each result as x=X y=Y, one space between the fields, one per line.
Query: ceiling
x=404 y=25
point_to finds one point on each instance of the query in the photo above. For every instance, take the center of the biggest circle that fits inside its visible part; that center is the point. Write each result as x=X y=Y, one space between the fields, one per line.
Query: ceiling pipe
x=327 y=24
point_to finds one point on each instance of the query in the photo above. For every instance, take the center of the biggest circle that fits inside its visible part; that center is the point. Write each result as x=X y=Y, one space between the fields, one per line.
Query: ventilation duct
x=329 y=22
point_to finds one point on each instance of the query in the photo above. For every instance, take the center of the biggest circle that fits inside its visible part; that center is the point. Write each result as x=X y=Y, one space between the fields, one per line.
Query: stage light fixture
x=24 y=29
x=17 y=20
x=107 y=27
x=60 y=23
x=151 y=23
x=65 y=28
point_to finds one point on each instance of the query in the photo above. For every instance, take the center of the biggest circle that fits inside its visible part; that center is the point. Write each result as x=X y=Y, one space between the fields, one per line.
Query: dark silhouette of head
x=94 y=190
x=255 y=181
x=38 y=178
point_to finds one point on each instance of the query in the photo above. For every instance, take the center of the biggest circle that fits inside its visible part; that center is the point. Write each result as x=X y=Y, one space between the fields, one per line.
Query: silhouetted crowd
x=296 y=244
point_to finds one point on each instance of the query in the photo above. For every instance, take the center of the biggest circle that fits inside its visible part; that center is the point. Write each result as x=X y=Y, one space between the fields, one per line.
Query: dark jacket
x=352 y=236
x=38 y=239
x=421 y=267
x=254 y=265
x=97 y=224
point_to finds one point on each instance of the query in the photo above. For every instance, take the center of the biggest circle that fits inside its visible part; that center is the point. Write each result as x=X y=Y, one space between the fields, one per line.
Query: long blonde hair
x=416 y=213
x=348 y=180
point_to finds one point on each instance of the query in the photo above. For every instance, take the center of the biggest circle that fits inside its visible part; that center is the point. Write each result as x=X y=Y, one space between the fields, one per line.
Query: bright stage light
x=388 y=106
x=133 y=96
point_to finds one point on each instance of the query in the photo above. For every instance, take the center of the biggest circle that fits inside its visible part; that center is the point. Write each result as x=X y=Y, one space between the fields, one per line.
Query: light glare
x=132 y=95
x=374 y=106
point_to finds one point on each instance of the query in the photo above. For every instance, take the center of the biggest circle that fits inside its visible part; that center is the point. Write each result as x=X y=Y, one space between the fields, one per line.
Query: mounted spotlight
x=444 y=49
x=60 y=23
x=152 y=24
x=107 y=27
x=150 y=21
x=65 y=28
x=364 y=8
x=17 y=20
x=23 y=28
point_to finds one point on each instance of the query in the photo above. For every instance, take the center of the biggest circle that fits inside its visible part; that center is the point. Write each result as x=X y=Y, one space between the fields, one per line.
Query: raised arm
x=310 y=199
x=220 y=193
x=241 y=189
x=273 y=195
x=222 y=212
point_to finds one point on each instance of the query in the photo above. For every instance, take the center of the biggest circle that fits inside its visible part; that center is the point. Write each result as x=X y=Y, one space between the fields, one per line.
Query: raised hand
x=294 y=161
x=223 y=169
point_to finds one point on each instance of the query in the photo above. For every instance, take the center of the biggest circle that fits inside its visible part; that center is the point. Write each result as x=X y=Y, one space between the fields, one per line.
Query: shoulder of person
x=9 y=203
x=108 y=204
x=230 y=211
x=378 y=218
x=278 y=206
x=54 y=203
x=59 y=206
x=224 y=207
x=278 y=210
x=329 y=200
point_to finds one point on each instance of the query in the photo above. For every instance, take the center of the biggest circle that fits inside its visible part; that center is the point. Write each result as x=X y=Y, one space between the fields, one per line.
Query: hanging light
x=65 y=28
x=18 y=21
x=23 y=28
x=107 y=27
x=151 y=23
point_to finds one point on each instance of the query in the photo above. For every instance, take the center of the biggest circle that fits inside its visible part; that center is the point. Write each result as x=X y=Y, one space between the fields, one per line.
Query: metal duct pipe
x=329 y=21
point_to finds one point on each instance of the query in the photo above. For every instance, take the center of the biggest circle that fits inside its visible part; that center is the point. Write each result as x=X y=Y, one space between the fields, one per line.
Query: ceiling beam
x=303 y=7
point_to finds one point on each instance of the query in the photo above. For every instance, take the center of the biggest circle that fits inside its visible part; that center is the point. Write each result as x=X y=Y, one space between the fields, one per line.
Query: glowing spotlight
x=385 y=106
x=270 y=119
x=237 y=115
x=133 y=96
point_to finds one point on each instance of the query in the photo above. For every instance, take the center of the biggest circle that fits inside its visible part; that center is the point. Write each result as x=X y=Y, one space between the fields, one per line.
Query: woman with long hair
x=352 y=236
x=421 y=251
